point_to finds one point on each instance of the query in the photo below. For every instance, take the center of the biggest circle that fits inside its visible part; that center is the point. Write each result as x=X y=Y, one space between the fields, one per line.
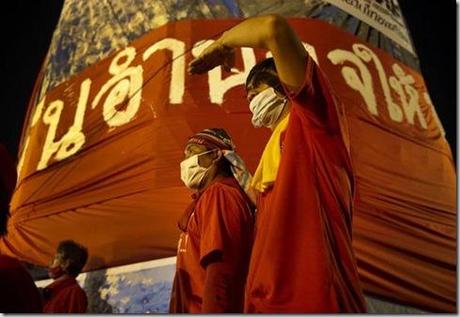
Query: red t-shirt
x=65 y=296
x=18 y=293
x=218 y=228
x=302 y=259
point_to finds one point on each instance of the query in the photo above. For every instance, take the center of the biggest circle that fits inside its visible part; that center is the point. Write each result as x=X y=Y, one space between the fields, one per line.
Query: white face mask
x=191 y=173
x=266 y=108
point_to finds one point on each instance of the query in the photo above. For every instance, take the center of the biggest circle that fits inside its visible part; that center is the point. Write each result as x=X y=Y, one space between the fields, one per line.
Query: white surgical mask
x=266 y=108
x=191 y=173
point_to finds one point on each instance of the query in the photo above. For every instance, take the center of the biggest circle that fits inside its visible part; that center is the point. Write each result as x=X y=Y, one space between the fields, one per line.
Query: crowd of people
x=277 y=241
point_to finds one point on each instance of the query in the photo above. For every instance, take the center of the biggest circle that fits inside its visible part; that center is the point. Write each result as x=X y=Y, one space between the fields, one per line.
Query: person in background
x=302 y=259
x=65 y=295
x=216 y=229
x=18 y=293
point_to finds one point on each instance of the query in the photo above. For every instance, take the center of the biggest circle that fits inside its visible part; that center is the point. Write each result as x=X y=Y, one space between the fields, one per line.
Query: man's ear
x=65 y=264
x=218 y=156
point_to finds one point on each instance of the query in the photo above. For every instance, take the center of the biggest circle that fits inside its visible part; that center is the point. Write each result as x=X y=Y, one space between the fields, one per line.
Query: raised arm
x=271 y=32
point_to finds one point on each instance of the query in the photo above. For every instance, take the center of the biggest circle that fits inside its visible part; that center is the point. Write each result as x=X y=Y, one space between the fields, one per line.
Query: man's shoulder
x=10 y=265
x=225 y=188
x=70 y=286
x=9 y=262
x=225 y=198
x=75 y=287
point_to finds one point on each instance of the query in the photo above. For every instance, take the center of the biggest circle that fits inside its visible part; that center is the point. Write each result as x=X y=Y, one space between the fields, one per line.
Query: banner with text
x=383 y=15
x=101 y=153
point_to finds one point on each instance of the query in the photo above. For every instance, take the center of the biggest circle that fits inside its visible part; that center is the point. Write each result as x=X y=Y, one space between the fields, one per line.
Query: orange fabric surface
x=220 y=226
x=117 y=190
x=303 y=260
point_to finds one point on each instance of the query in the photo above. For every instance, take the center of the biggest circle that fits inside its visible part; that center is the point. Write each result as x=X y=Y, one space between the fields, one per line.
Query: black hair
x=75 y=253
x=265 y=72
x=224 y=166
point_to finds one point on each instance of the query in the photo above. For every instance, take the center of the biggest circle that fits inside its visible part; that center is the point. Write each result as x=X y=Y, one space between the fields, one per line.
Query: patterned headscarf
x=216 y=138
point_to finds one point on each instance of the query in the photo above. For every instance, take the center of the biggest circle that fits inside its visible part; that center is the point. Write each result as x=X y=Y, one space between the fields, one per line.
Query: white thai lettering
x=177 y=83
x=125 y=85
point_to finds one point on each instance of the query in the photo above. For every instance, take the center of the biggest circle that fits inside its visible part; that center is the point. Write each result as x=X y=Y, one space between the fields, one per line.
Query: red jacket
x=65 y=296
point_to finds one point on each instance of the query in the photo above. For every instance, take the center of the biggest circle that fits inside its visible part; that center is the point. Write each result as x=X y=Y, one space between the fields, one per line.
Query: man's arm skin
x=271 y=32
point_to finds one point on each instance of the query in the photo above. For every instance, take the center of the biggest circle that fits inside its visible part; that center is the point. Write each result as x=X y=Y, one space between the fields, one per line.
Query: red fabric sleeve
x=217 y=288
x=226 y=240
x=314 y=101
x=224 y=224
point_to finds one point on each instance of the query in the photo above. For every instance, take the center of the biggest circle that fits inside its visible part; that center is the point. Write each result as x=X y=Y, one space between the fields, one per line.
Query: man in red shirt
x=18 y=293
x=216 y=229
x=302 y=260
x=64 y=295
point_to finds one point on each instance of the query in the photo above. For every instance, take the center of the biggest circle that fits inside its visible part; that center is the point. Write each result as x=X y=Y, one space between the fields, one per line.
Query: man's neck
x=285 y=112
x=211 y=180
x=62 y=277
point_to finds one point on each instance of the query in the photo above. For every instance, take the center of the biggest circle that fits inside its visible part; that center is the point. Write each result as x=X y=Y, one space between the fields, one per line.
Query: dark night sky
x=28 y=26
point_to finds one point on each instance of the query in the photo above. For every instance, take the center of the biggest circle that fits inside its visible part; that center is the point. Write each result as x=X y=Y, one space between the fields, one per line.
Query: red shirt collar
x=59 y=284
x=183 y=220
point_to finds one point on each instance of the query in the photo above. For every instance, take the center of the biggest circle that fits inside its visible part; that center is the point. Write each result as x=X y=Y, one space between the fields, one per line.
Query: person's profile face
x=204 y=160
x=253 y=91
x=58 y=260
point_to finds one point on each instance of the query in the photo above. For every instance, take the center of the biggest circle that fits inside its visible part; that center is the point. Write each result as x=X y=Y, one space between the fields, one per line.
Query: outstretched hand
x=214 y=55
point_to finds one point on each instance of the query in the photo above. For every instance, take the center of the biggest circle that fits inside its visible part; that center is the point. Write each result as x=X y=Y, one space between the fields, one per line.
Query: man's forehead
x=194 y=147
x=254 y=90
x=259 y=87
x=59 y=255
